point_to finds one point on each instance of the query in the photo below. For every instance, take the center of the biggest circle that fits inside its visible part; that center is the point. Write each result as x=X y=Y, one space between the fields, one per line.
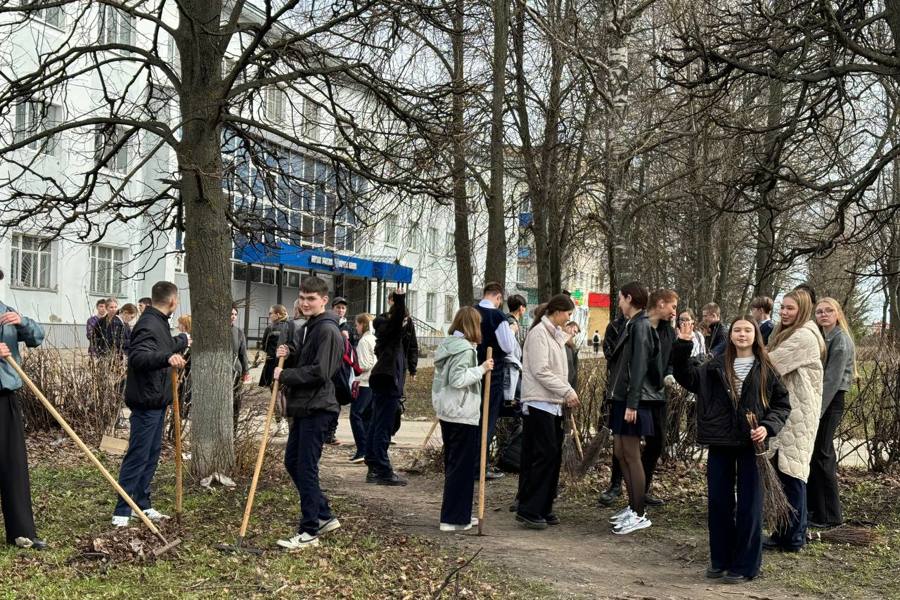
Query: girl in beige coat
x=796 y=349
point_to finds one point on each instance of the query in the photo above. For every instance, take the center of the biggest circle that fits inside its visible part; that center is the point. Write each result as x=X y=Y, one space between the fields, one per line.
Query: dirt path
x=580 y=560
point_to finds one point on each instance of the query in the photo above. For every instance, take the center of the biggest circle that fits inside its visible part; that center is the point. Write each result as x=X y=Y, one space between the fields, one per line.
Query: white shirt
x=506 y=339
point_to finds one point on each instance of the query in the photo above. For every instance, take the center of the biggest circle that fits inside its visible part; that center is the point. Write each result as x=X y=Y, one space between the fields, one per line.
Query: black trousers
x=494 y=405
x=653 y=448
x=735 y=524
x=792 y=537
x=822 y=499
x=301 y=460
x=15 y=486
x=542 y=438
x=460 y=453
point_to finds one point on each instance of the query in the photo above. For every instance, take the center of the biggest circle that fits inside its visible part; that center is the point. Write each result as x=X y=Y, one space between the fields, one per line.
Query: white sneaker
x=455 y=527
x=155 y=515
x=300 y=541
x=119 y=521
x=621 y=516
x=633 y=524
x=329 y=525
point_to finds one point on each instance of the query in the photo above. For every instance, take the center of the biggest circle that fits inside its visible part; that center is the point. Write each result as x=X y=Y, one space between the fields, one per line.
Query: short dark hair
x=763 y=303
x=146 y=301
x=809 y=290
x=492 y=287
x=101 y=302
x=712 y=308
x=314 y=285
x=638 y=292
x=662 y=295
x=162 y=292
x=515 y=302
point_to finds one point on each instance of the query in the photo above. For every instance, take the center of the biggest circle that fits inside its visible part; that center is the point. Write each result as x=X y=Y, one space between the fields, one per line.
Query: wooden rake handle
x=87 y=451
x=485 y=417
x=176 y=421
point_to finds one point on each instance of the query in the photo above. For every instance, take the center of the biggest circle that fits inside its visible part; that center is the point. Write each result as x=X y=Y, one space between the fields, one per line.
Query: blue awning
x=309 y=259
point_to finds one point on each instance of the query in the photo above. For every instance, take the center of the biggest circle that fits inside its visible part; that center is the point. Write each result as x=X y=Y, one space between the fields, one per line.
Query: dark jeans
x=142 y=458
x=236 y=397
x=460 y=452
x=331 y=434
x=360 y=414
x=15 y=485
x=494 y=405
x=735 y=528
x=542 y=438
x=822 y=498
x=301 y=460
x=384 y=411
x=793 y=537
x=653 y=448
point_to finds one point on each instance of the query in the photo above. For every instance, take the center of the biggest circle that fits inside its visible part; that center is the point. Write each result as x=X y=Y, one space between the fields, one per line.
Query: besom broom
x=777 y=511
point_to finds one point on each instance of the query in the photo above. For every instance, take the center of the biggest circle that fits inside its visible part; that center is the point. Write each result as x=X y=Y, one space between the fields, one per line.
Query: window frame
x=43 y=253
x=431 y=306
x=116 y=265
x=30 y=121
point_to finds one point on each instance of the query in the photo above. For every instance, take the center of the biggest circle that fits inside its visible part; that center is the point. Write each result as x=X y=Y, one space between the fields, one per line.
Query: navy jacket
x=147 y=384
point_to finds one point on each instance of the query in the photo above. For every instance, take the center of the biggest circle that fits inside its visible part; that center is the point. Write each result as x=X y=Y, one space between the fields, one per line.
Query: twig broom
x=572 y=452
x=777 y=511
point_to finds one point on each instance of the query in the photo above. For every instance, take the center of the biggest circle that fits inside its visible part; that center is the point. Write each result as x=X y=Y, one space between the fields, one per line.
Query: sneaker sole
x=633 y=528
x=289 y=546
x=531 y=524
x=450 y=527
x=617 y=520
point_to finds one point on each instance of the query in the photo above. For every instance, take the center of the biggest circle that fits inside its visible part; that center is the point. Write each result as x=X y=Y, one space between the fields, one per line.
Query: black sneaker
x=770 y=543
x=530 y=523
x=713 y=573
x=551 y=519
x=609 y=496
x=392 y=480
x=735 y=578
x=371 y=477
x=653 y=500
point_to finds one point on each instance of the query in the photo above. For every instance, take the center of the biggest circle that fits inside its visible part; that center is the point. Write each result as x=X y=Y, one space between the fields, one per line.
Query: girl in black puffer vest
x=727 y=388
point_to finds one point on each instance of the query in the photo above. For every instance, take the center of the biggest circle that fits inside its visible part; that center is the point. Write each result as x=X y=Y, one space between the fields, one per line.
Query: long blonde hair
x=842 y=323
x=804 y=314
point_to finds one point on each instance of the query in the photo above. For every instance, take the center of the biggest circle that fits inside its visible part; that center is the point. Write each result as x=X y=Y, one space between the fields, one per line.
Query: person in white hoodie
x=456 y=397
x=545 y=389
x=361 y=408
x=796 y=348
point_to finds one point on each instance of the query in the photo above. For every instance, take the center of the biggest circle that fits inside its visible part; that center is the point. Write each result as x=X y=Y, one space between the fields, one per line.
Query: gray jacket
x=30 y=333
x=239 y=364
x=838 y=365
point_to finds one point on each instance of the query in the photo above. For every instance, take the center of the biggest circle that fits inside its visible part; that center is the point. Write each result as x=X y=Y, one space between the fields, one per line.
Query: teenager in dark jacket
x=111 y=335
x=387 y=382
x=240 y=366
x=629 y=418
x=610 y=339
x=715 y=330
x=313 y=357
x=339 y=308
x=280 y=328
x=15 y=484
x=148 y=392
x=742 y=380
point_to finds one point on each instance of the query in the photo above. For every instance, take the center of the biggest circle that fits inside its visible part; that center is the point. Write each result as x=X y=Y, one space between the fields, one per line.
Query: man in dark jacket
x=240 y=365
x=312 y=359
x=715 y=329
x=610 y=340
x=148 y=392
x=387 y=382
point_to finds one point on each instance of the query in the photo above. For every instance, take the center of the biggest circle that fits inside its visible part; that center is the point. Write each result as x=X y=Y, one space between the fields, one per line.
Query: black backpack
x=343 y=390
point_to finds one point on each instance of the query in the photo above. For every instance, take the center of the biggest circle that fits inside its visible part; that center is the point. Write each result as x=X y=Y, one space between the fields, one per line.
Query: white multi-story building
x=59 y=281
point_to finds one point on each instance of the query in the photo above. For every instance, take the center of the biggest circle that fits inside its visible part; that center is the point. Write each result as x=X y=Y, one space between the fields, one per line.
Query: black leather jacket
x=719 y=421
x=637 y=346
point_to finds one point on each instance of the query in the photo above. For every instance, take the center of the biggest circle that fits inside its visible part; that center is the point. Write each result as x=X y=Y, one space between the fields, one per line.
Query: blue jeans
x=384 y=410
x=735 y=528
x=301 y=460
x=360 y=413
x=142 y=458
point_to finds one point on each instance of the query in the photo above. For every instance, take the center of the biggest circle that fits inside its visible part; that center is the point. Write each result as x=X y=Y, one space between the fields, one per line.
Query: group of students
x=108 y=330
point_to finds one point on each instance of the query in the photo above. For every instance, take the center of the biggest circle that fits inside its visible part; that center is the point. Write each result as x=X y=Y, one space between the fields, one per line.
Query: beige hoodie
x=799 y=362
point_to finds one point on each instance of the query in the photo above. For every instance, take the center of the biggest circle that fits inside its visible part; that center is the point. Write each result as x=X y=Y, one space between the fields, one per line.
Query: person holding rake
x=727 y=387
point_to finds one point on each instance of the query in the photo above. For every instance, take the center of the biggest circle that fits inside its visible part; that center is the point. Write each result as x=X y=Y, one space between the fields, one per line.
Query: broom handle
x=62 y=422
x=176 y=421
x=485 y=417
x=576 y=435
x=430 y=433
x=751 y=419
x=270 y=412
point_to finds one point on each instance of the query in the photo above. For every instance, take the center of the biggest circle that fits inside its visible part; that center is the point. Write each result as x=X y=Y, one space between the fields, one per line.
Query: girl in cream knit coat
x=796 y=349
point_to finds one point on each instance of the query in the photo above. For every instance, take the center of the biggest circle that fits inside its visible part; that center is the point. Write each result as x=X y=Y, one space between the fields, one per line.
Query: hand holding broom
x=777 y=511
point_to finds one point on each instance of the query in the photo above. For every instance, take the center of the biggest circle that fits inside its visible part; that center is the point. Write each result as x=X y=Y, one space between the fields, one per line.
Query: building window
x=450 y=244
x=310 y=120
x=31 y=262
x=34 y=116
x=107 y=270
x=412 y=302
x=116 y=27
x=433 y=240
x=415 y=233
x=430 y=306
x=273 y=109
x=449 y=306
x=391 y=230
x=106 y=140
x=52 y=15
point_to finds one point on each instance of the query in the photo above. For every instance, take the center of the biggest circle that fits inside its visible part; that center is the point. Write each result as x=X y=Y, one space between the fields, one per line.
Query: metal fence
x=65 y=335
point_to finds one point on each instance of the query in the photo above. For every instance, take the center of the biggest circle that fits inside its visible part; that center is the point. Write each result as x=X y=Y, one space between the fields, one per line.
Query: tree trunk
x=462 y=245
x=208 y=238
x=495 y=267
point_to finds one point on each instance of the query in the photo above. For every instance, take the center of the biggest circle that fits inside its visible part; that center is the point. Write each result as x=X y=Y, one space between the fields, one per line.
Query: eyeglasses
x=824 y=311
